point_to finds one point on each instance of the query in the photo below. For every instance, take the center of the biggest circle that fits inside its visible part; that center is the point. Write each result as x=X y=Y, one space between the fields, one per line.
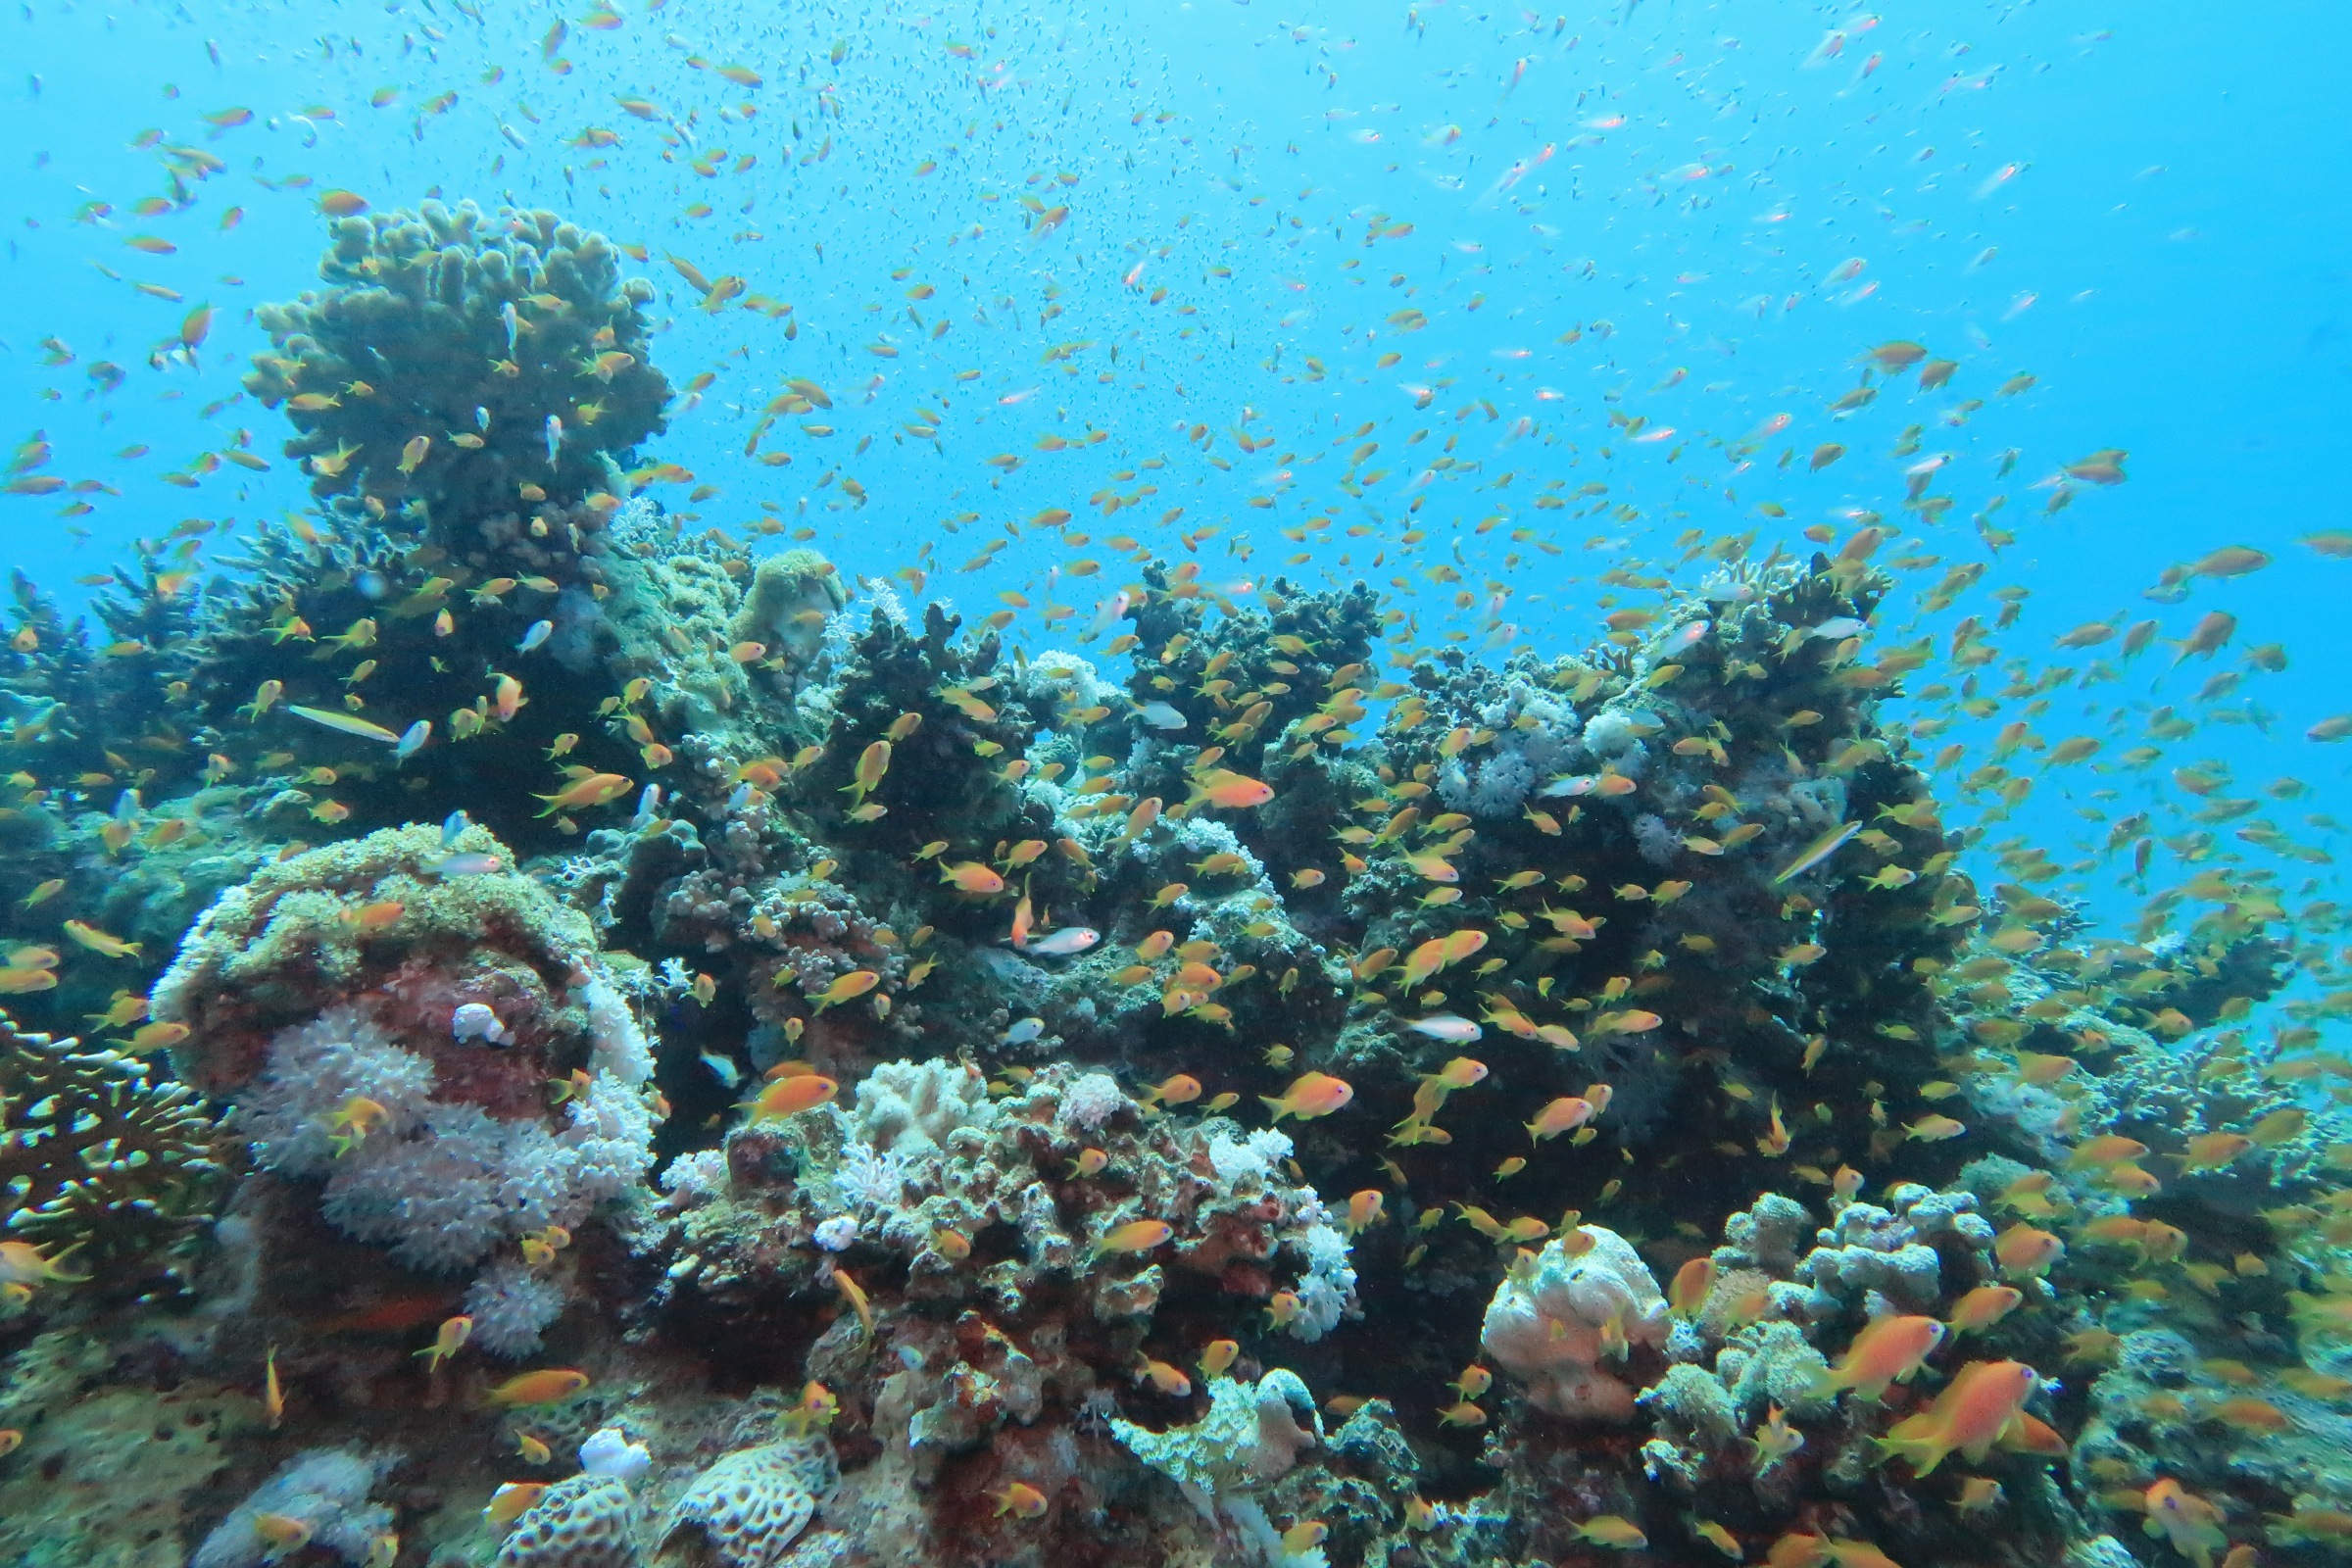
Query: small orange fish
x=1693 y=1283
x=1182 y=1089
x=595 y=789
x=1218 y=1356
x=1311 y=1095
x=1888 y=1350
x=847 y=988
x=970 y=876
x=1562 y=1115
x=369 y=918
x=1984 y=1405
x=1135 y=1236
x=512 y=1500
x=452 y=1338
x=1982 y=1308
x=792 y=1095
x=1231 y=791
x=2023 y=1250
x=1022 y=1501
x=550 y=1386
x=1161 y=1376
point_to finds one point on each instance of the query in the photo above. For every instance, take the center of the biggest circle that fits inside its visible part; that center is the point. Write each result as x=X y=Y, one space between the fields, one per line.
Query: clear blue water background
x=2163 y=192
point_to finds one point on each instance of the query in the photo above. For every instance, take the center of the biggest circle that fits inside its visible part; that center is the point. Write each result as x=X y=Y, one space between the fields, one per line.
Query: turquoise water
x=2138 y=214
x=2009 y=341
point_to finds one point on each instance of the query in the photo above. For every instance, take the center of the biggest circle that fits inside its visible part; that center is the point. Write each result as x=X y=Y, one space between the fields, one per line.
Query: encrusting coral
x=1161 y=1109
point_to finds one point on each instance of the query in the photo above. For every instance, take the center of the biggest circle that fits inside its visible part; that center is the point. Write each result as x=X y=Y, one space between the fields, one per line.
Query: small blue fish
x=452 y=825
x=472 y=864
x=541 y=631
x=649 y=806
x=412 y=741
x=555 y=438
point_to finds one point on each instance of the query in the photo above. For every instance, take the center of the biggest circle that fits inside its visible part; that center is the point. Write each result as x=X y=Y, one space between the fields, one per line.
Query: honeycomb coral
x=588 y=1520
x=749 y=1507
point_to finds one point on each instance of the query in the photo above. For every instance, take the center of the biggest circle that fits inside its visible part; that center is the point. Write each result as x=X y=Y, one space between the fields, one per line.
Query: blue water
x=2147 y=214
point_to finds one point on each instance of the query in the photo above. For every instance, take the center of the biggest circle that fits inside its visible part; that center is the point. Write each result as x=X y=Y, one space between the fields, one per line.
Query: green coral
x=462 y=329
x=99 y=1155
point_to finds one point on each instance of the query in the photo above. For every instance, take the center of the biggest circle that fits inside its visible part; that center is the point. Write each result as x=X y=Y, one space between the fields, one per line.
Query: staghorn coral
x=508 y=344
x=99 y=1155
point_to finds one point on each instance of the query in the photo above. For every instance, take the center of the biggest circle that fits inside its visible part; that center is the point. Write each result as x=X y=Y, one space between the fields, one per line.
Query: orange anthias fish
x=1231 y=789
x=597 y=789
x=1979 y=1408
x=2190 y=1525
x=847 y=988
x=1135 y=1236
x=1311 y=1095
x=1982 y=1308
x=1889 y=1350
x=789 y=1095
x=550 y=1386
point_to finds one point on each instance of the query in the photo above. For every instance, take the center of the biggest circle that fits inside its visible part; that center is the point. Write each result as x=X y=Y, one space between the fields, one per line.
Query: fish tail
x=1924 y=1453
x=1279 y=1109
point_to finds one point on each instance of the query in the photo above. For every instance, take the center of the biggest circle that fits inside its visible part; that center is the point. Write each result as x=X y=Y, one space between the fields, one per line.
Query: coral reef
x=1161 y=1111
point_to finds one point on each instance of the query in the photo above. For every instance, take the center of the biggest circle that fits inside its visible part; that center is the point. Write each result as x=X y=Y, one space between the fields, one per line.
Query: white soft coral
x=1553 y=1322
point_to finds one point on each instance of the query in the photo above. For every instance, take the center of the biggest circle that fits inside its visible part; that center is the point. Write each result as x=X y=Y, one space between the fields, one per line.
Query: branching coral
x=456 y=359
x=99 y=1156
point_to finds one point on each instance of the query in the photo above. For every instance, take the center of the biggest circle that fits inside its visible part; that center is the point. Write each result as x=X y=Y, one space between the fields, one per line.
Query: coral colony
x=569 y=1043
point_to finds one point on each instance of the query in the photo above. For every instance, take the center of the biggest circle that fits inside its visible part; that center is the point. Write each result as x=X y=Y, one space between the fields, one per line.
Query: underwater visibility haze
x=1175 y=785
